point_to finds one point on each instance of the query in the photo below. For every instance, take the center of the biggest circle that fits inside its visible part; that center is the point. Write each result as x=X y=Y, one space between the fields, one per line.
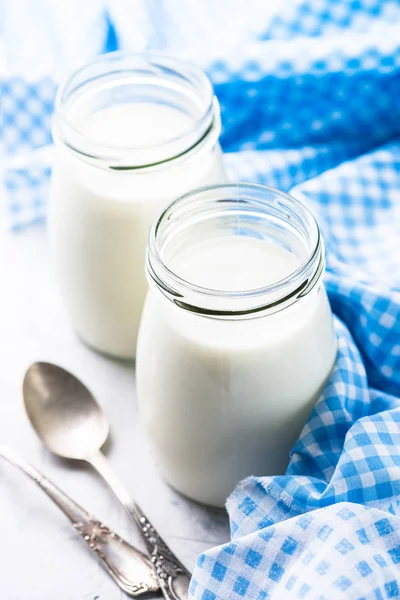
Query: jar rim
x=242 y=303
x=159 y=69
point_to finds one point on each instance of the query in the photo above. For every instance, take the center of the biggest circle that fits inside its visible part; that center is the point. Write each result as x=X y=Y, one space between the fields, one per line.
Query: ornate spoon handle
x=131 y=570
x=173 y=577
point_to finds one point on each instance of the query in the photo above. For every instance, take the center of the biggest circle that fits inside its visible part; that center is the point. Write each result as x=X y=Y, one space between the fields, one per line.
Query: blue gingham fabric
x=330 y=528
x=310 y=100
x=303 y=86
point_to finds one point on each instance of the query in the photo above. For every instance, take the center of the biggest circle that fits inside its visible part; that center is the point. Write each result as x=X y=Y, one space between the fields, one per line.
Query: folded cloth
x=307 y=84
x=330 y=528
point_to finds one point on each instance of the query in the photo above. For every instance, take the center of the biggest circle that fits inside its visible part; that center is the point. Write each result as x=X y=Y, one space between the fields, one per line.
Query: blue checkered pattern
x=342 y=551
x=309 y=93
x=307 y=85
x=330 y=528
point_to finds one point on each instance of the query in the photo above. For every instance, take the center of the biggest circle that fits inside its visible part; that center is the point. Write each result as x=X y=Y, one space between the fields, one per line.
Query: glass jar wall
x=236 y=339
x=132 y=132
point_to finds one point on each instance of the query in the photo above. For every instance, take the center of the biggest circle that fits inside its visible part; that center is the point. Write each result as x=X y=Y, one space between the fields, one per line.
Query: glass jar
x=132 y=132
x=236 y=341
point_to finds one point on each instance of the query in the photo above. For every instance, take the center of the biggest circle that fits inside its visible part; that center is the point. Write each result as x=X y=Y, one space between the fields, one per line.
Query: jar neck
x=150 y=81
x=242 y=210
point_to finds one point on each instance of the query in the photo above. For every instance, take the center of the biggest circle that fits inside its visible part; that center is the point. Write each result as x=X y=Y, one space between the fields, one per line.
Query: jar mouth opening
x=118 y=79
x=260 y=211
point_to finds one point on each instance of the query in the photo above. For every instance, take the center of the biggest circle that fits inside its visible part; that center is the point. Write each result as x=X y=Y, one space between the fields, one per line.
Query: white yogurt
x=230 y=264
x=224 y=399
x=139 y=124
x=99 y=218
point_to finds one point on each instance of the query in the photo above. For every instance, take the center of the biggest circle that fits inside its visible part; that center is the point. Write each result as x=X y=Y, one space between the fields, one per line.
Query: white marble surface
x=41 y=556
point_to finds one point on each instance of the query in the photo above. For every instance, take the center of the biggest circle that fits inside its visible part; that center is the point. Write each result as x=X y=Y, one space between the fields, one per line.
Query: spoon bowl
x=63 y=412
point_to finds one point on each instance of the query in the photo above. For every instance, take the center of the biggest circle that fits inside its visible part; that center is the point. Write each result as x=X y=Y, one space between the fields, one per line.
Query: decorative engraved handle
x=173 y=577
x=119 y=558
x=131 y=570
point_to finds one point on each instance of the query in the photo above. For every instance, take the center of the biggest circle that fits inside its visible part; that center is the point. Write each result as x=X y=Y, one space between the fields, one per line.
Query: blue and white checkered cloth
x=310 y=98
x=330 y=528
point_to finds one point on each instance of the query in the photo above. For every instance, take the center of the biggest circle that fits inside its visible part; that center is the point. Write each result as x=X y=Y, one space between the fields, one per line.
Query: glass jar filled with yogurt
x=132 y=132
x=236 y=340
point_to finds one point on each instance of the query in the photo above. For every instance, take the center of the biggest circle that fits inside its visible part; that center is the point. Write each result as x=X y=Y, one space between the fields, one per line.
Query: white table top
x=42 y=557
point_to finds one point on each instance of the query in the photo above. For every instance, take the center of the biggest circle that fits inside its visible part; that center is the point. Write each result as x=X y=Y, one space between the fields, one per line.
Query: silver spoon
x=71 y=424
x=129 y=568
